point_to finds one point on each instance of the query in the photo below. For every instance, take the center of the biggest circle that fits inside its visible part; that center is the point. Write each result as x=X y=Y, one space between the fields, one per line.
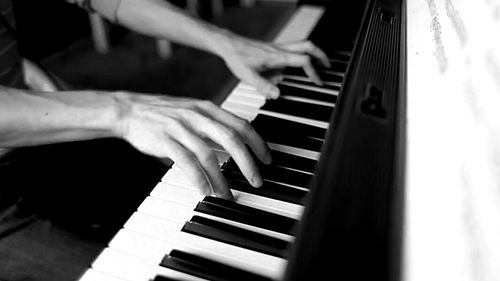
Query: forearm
x=160 y=19
x=28 y=118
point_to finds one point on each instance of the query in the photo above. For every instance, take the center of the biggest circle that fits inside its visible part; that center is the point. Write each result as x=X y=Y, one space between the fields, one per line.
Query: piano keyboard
x=179 y=234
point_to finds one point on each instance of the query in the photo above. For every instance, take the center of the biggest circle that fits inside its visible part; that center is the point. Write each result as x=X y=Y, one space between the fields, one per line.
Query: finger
x=311 y=72
x=206 y=158
x=262 y=85
x=232 y=142
x=309 y=48
x=304 y=61
x=265 y=87
x=191 y=167
x=242 y=127
x=234 y=145
x=272 y=74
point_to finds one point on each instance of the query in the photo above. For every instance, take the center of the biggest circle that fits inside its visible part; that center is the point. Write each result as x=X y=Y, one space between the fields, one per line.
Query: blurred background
x=60 y=36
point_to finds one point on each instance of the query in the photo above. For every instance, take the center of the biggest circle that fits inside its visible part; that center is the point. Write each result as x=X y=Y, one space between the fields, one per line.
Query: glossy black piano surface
x=351 y=228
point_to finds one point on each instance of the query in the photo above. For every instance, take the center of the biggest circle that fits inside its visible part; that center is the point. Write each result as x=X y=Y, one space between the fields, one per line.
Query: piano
x=331 y=202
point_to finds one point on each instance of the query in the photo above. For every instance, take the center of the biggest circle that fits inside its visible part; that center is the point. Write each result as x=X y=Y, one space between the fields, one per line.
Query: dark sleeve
x=106 y=8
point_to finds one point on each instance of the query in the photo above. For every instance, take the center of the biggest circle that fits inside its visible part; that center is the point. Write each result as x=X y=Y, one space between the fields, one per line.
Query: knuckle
x=206 y=104
x=229 y=134
x=207 y=157
x=243 y=125
x=174 y=124
x=284 y=57
x=185 y=159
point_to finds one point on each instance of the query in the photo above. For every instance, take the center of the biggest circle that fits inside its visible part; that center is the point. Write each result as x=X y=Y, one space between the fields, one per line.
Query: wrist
x=119 y=113
x=224 y=43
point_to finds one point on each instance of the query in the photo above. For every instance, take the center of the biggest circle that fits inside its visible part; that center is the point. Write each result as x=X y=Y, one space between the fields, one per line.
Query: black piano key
x=287 y=135
x=330 y=86
x=293 y=161
x=164 y=278
x=244 y=214
x=273 y=173
x=207 y=269
x=273 y=125
x=297 y=141
x=299 y=109
x=268 y=189
x=236 y=236
x=288 y=90
x=337 y=56
x=324 y=74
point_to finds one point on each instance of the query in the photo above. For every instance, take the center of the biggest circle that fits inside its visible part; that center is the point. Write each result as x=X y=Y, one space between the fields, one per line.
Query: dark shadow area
x=133 y=63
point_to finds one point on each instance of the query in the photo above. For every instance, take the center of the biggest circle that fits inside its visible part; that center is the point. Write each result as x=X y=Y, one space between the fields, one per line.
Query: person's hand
x=178 y=128
x=247 y=58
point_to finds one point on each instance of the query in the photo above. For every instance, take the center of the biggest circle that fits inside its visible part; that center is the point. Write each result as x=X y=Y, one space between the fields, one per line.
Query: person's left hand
x=247 y=58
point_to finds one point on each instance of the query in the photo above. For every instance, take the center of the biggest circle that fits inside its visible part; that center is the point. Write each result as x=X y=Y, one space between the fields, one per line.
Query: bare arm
x=28 y=118
x=157 y=125
x=243 y=56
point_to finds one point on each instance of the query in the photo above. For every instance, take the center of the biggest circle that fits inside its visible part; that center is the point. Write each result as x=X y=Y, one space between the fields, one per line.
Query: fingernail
x=256 y=180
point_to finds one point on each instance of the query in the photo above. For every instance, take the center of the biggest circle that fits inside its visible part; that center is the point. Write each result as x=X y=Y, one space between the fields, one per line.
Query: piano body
x=337 y=202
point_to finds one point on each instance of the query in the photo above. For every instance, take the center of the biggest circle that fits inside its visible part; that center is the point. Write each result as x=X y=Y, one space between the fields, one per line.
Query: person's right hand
x=177 y=128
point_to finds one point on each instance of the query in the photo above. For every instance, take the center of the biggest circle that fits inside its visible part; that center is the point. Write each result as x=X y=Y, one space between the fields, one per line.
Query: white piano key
x=302 y=120
x=307 y=79
x=179 y=180
x=176 y=176
x=301 y=24
x=133 y=268
x=318 y=89
x=339 y=73
x=172 y=211
x=94 y=275
x=230 y=106
x=245 y=86
x=181 y=213
x=241 y=104
x=140 y=245
x=188 y=196
x=294 y=151
x=306 y=100
x=174 y=193
x=153 y=249
x=170 y=231
x=248 y=92
x=249 y=99
x=245 y=114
